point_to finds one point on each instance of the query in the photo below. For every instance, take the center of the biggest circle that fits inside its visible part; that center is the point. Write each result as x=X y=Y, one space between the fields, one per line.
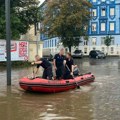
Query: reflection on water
x=98 y=101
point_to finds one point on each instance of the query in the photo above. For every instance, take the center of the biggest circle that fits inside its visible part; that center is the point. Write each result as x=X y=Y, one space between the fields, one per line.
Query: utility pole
x=8 y=41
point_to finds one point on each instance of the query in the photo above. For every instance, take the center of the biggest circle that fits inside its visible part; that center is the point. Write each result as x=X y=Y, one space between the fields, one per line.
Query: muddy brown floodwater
x=98 y=101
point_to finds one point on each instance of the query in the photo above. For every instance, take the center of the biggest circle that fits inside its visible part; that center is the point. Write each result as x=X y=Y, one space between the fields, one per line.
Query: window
x=94 y=40
x=103 y=49
x=103 y=0
x=85 y=27
x=85 y=42
x=52 y=44
x=94 y=27
x=85 y=50
x=103 y=12
x=112 y=26
x=112 y=11
x=44 y=44
x=66 y=50
x=113 y=41
x=94 y=0
x=103 y=29
x=94 y=12
x=48 y=43
x=112 y=50
x=55 y=42
x=102 y=41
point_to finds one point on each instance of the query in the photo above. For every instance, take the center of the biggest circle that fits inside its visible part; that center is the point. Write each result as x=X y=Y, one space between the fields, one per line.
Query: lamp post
x=8 y=41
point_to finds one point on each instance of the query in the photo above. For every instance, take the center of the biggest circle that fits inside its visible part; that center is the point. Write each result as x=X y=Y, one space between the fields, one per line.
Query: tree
x=67 y=19
x=23 y=14
x=107 y=40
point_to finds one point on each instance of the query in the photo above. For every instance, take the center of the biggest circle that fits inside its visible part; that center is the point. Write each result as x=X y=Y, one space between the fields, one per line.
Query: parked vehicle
x=77 y=53
x=97 y=54
x=50 y=57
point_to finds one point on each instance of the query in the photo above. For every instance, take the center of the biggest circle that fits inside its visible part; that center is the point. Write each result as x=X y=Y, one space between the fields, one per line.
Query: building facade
x=35 y=44
x=105 y=21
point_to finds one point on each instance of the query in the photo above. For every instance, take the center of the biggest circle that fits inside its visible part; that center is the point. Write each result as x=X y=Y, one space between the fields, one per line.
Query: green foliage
x=86 y=37
x=23 y=14
x=67 y=19
x=108 y=40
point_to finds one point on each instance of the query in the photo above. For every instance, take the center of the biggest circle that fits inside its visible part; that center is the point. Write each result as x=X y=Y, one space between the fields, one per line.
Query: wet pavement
x=97 y=101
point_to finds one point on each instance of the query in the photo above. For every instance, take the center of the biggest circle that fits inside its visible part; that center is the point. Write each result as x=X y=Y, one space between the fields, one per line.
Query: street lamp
x=8 y=41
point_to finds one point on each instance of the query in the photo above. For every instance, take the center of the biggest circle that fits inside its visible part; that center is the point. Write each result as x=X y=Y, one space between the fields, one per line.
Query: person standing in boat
x=71 y=70
x=69 y=67
x=59 y=64
x=47 y=73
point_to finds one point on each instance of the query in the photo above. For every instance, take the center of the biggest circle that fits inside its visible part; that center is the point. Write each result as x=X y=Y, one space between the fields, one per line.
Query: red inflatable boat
x=54 y=86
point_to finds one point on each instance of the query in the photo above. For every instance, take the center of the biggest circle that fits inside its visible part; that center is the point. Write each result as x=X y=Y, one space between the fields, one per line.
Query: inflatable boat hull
x=54 y=86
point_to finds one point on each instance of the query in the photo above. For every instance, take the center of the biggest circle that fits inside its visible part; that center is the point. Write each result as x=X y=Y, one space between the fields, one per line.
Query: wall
x=33 y=50
x=35 y=44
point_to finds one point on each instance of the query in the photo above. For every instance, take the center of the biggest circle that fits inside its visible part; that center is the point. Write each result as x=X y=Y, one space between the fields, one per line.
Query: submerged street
x=97 y=101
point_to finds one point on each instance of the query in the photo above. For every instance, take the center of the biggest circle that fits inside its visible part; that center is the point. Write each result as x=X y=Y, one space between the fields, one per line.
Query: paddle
x=33 y=71
x=78 y=87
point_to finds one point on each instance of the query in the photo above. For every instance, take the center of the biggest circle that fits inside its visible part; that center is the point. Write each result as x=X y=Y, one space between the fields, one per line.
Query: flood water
x=98 y=101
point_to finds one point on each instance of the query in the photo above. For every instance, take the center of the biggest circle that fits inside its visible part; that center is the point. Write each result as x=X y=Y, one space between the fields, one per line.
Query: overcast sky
x=41 y=1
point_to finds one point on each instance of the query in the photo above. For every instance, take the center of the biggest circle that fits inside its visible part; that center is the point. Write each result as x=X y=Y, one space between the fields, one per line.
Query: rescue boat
x=54 y=86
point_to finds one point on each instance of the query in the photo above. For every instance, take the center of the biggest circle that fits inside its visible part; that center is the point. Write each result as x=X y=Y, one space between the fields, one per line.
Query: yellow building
x=35 y=44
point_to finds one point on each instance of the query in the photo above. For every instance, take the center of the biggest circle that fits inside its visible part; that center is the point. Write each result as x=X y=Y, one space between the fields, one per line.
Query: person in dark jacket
x=59 y=62
x=69 y=67
x=71 y=70
x=46 y=65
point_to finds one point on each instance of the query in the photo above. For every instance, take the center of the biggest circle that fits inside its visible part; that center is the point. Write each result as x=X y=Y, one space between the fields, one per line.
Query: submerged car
x=97 y=54
x=77 y=54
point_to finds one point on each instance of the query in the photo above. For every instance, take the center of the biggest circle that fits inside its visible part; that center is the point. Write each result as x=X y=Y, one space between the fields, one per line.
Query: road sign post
x=8 y=41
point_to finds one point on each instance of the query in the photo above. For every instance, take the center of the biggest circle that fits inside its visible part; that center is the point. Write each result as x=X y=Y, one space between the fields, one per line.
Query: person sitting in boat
x=47 y=73
x=71 y=70
x=59 y=62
